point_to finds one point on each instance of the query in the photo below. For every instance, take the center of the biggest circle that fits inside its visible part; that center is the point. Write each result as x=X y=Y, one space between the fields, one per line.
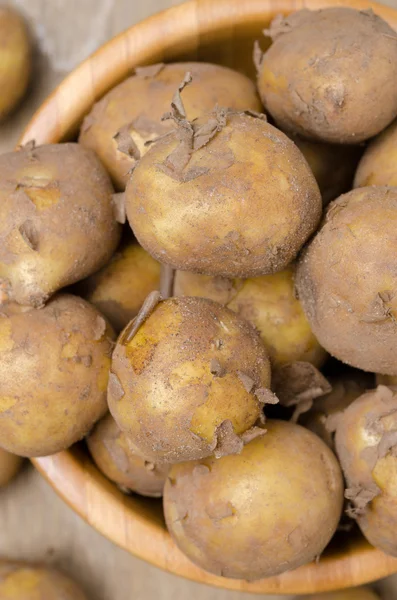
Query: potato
x=57 y=222
x=15 y=59
x=119 y=289
x=388 y=380
x=366 y=443
x=267 y=510
x=378 y=164
x=130 y=114
x=329 y=74
x=54 y=369
x=269 y=303
x=10 y=464
x=347 y=279
x=20 y=581
x=113 y=456
x=242 y=204
x=350 y=594
x=190 y=381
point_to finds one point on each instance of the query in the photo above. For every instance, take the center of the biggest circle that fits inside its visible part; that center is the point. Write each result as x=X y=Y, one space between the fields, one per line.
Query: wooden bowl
x=220 y=31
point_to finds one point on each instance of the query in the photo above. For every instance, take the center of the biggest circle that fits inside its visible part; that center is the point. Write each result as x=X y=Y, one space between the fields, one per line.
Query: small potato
x=378 y=166
x=130 y=114
x=189 y=382
x=329 y=74
x=267 y=510
x=366 y=443
x=29 y=582
x=269 y=303
x=10 y=464
x=351 y=594
x=54 y=369
x=57 y=220
x=241 y=205
x=347 y=280
x=113 y=456
x=15 y=59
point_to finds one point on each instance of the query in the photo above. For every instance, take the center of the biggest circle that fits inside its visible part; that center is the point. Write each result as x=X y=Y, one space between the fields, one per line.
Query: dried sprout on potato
x=10 y=465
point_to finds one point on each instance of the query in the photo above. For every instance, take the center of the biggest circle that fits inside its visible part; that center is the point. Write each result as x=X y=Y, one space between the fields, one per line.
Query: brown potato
x=269 y=303
x=15 y=59
x=190 y=382
x=130 y=114
x=378 y=166
x=57 y=222
x=351 y=594
x=267 y=510
x=347 y=279
x=109 y=448
x=322 y=76
x=10 y=464
x=54 y=368
x=203 y=215
x=366 y=443
x=119 y=289
x=30 y=582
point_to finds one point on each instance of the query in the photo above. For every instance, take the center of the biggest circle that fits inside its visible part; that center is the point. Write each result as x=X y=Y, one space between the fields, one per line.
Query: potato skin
x=363 y=425
x=141 y=100
x=110 y=450
x=57 y=222
x=346 y=280
x=15 y=59
x=361 y=593
x=306 y=79
x=20 y=581
x=237 y=516
x=10 y=465
x=54 y=368
x=269 y=303
x=179 y=379
x=209 y=224
x=378 y=163
x=120 y=287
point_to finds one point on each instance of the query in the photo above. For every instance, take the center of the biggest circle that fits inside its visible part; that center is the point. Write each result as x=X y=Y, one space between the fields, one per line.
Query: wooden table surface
x=34 y=523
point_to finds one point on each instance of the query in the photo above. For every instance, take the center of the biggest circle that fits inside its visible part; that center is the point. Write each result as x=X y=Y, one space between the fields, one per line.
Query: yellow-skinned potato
x=269 y=303
x=119 y=289
x=366 y=443
x=362 y=593
x=113 y=456
x=378 y=166
x=190 y=382
x=346 y=280
x=20 y=581
x=259 y=513
x=15 y=59
x=199 y=211
x=54 y=369
x=130 y=114
x=10 y=464
x=321 y=66
x=57 y=220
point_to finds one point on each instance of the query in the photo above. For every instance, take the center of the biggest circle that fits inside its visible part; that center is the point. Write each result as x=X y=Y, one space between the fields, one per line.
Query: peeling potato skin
x=306 y=77
x=362 y=593
x=353 y=435
x=162 y=392
x=237 y=516
x=15 y=59
x=20 y=581
x=119 y=288
x=10 y=465
x=145 y=100
x=113 y=456
x=54 y=369
x=57 y=221
x=269 y=303
x=378 y=164
x=210 y=224
x=347 y=282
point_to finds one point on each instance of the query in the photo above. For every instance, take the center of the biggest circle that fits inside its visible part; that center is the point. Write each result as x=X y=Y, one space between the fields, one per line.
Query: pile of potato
x=246 y=270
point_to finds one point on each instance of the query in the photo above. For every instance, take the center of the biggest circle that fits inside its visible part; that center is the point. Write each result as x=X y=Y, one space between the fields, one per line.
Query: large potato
x=29 y=582
x=57 y=222
x=242 y=204
x=269 y=303
x=351 y=594
x=190 y=382
x=54 y=368
x=378 y=166
x=347 y=280
x=329 y=74
x=10 y=464
x=130 y=114
x=270 y=509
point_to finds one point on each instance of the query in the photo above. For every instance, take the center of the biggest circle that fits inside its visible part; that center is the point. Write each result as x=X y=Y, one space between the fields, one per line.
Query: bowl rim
x=71 y=473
